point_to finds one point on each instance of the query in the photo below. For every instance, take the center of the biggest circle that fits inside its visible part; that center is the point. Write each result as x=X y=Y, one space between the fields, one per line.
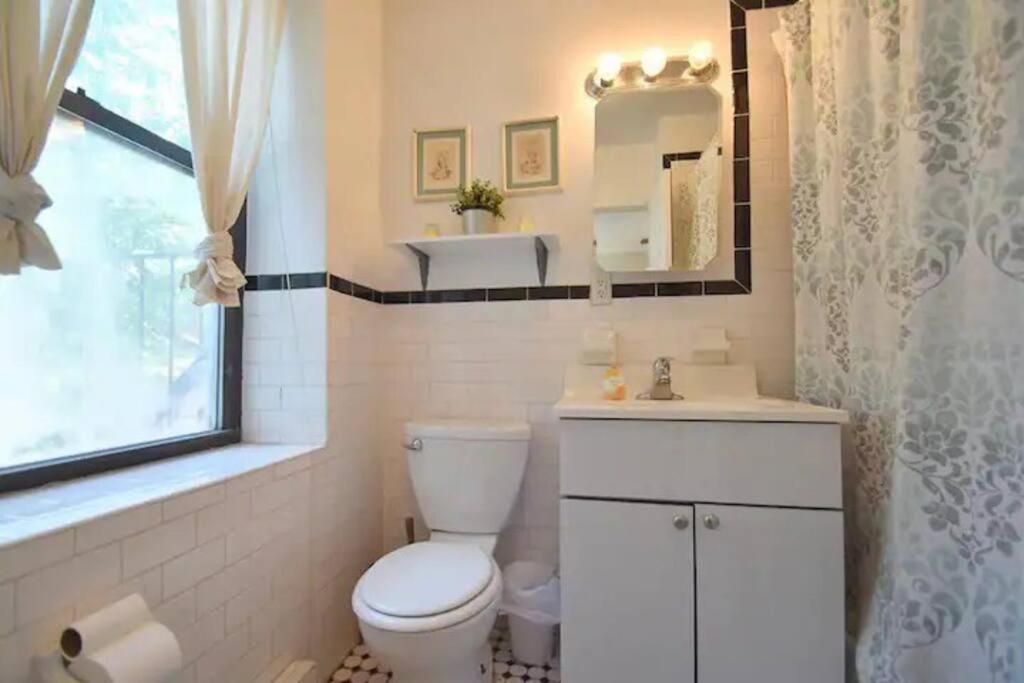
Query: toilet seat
x=427 y=586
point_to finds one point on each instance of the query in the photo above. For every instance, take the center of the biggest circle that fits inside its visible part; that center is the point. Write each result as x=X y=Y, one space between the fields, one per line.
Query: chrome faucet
x=661 y=384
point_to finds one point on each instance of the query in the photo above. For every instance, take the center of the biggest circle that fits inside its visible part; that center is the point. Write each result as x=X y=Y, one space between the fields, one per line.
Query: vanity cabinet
x=700 y=551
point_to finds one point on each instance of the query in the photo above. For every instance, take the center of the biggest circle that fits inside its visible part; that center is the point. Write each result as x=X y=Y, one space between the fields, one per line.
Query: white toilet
x=426 y=609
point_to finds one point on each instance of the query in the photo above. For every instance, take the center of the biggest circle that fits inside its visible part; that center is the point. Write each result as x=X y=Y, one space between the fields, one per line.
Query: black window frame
x=229 y=430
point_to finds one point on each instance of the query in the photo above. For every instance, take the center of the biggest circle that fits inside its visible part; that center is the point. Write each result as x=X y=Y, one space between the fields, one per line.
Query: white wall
x=507 y=359
x=449 y=62
x=287 y=198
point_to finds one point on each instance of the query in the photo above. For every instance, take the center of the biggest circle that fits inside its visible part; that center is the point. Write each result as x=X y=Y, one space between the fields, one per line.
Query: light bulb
x=608 y=67
x=700 y=55
x=653 y=62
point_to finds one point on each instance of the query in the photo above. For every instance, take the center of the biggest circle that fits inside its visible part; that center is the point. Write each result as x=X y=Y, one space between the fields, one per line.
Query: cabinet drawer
x=757 y=463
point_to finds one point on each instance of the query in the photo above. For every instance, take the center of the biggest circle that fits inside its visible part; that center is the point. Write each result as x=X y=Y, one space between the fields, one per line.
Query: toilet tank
x=467 y=473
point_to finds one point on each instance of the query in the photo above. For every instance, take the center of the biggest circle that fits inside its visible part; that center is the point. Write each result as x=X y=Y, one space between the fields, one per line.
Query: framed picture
x=440 y=162
x=529 y=156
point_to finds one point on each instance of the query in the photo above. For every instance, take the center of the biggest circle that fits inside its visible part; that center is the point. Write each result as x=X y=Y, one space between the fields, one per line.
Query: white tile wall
x=284 y=395
x=242 y=610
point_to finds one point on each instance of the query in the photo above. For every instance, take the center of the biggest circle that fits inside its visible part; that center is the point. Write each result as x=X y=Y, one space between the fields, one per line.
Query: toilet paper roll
x=149 y=654
x=103 y=627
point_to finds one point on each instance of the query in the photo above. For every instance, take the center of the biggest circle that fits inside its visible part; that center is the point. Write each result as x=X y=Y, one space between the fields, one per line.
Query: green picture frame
x=441 y=162
x=531 y=156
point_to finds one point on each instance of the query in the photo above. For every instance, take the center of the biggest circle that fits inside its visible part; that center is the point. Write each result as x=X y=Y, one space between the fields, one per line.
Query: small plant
x=480 y=195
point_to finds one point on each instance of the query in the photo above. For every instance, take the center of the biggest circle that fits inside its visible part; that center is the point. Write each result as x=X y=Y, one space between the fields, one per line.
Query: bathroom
x=246 y=341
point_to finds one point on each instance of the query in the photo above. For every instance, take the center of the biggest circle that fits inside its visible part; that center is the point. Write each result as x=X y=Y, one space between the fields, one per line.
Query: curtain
x=229 y=50
x=907 y=155
x=39 y=43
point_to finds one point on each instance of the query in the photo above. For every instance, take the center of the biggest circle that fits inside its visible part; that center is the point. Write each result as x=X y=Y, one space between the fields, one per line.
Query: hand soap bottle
x=613 y=386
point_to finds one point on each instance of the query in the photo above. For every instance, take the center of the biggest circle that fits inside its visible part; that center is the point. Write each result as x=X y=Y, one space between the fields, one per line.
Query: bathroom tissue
x=148 y=654
x=101 y=628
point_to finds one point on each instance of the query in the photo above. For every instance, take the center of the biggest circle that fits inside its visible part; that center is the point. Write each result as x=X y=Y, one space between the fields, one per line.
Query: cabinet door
x=627 y=592
x=770 y=595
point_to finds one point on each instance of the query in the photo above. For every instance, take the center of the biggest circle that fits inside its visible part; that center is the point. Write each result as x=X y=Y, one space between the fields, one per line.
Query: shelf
x=481 y=246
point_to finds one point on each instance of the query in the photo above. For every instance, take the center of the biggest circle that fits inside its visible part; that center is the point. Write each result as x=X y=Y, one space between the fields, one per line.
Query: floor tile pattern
x=362 y=667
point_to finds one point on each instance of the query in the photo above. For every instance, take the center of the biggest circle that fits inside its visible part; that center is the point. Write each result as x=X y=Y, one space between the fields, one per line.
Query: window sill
x=36 y=512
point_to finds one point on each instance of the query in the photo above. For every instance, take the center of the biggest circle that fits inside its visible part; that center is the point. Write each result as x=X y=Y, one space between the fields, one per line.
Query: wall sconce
x=654 y=70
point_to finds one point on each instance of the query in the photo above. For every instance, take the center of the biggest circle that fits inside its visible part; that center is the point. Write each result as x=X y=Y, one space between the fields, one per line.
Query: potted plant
x=479 y=205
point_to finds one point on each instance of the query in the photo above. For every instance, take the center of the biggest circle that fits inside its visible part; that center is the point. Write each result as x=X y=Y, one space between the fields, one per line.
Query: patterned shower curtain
x=907 y=155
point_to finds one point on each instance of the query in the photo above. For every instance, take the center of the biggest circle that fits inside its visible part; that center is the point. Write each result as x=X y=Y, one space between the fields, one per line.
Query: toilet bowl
x=426 y=609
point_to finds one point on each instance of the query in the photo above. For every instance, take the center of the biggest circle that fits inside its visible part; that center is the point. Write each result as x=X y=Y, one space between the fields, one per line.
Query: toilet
x=426 y=609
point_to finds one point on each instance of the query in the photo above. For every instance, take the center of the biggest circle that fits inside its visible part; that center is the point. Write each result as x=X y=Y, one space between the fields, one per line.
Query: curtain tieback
x=22 y=241
x=216 y=277
x=216 y=246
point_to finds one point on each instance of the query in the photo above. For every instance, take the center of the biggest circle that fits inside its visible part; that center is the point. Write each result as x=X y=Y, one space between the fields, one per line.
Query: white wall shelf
x=492 y=245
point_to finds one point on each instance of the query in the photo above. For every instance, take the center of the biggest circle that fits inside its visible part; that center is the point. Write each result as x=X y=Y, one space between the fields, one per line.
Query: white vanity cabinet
x=699 y=551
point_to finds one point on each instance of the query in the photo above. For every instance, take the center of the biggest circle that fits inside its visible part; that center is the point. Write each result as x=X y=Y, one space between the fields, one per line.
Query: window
x=111 y=363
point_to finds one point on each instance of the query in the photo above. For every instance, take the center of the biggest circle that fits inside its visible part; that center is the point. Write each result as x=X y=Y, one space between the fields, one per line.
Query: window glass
x=109 y=351
x=131 y=64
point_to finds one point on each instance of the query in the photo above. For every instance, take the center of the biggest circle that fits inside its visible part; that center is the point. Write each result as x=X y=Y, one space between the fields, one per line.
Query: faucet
x=661 y=384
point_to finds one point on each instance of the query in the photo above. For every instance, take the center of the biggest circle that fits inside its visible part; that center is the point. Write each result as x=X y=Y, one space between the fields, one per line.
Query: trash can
x=532 y=601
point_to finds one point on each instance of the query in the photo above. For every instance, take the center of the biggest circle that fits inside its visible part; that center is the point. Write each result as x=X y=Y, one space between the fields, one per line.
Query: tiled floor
x=361 y=667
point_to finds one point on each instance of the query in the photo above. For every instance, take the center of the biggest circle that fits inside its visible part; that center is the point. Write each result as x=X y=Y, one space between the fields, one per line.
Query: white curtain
x=229 y=50
x=39 y=43
x=907 y=141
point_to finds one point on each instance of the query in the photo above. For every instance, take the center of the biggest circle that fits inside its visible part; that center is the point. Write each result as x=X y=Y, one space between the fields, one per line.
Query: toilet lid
x=427 y=578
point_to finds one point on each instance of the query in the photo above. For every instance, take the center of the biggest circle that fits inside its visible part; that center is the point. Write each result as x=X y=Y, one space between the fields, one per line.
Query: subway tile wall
x=249 y=574
x=284 y=378
x=255 y=572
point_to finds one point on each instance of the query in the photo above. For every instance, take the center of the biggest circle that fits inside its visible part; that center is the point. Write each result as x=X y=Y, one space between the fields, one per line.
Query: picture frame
x=441 y=162
x=531 y=156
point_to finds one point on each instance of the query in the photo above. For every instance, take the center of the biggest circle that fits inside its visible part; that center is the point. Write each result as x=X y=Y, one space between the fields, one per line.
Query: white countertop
x=708 y=409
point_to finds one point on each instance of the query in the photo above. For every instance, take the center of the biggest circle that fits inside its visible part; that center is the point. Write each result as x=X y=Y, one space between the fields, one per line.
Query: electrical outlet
x=600 y=287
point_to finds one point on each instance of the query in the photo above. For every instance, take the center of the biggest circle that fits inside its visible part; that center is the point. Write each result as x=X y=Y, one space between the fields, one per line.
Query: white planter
x=477 y=221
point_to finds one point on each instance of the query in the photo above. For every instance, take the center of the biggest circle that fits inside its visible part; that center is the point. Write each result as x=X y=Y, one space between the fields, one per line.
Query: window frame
x=229 y=430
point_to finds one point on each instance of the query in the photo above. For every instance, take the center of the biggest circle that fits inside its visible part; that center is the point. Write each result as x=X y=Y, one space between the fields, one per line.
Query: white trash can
x=532 y=601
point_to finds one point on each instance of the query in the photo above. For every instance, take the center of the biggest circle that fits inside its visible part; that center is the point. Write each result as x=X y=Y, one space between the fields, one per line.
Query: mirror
x=657 y=179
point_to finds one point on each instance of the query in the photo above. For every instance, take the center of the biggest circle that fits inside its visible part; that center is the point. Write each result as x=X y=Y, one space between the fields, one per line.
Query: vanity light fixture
x=654 y=70
x=653 y=62
x=608 y=67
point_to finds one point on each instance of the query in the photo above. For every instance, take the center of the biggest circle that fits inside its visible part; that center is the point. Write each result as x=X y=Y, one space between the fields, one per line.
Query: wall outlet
x=600 y=287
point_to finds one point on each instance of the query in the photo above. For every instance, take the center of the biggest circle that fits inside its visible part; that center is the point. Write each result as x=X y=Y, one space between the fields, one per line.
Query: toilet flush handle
x=414 y=445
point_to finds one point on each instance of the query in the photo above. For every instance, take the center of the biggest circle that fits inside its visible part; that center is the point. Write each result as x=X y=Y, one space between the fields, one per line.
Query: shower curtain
x=907 y=156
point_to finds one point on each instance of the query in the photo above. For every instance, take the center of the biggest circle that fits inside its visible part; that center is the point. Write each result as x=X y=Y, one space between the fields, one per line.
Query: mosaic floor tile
x=362 y=667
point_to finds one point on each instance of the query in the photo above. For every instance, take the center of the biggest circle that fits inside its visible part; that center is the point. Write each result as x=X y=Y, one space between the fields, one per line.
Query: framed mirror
x=689 y=88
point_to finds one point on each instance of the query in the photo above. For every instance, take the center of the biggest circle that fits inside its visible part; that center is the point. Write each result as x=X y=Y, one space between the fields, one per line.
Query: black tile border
x=742 y=220
x=621 y=290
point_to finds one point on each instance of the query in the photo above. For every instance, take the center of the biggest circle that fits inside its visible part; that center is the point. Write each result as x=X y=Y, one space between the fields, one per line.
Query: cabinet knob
x=680 y=522
x=711 y=521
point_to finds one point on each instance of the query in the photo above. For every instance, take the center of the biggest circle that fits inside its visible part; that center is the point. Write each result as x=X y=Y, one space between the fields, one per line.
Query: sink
x=710 y=393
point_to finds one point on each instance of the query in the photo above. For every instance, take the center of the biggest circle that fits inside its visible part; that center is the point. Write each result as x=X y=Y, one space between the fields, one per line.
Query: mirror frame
x=742 y=207
x=742 y=282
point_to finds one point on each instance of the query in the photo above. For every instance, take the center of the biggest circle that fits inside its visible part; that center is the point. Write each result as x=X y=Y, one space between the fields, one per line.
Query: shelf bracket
x=542 y=259
x=424 y=260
